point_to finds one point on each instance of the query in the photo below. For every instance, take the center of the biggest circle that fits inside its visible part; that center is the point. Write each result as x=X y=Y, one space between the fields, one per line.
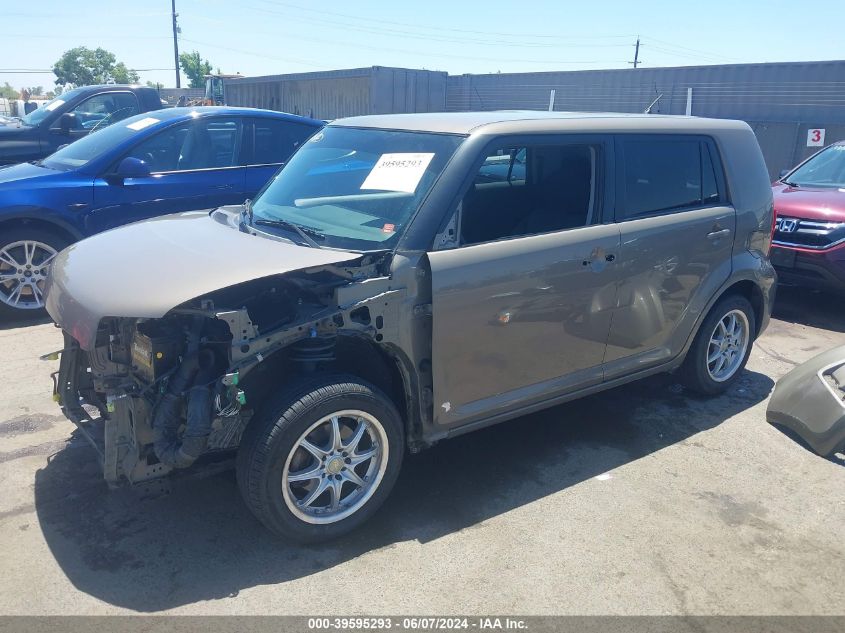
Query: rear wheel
x=318 y=461
x=721 y=347
x=25 y=257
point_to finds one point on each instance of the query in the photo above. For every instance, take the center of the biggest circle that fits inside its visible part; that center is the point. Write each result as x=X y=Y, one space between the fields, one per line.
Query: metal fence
x=341 y=93
x=780 y=101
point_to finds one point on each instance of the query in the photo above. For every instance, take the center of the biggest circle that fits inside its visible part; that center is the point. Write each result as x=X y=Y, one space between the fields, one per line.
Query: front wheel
x=721 y=347
x=318 y=461
x=25 y=257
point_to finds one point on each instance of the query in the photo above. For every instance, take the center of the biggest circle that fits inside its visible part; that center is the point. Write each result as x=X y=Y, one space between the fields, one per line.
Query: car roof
x=170 y=114
x=530 y=121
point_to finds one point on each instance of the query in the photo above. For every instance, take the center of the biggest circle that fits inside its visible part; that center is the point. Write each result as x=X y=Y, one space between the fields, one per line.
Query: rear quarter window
x=665 y=175
x=274 y=140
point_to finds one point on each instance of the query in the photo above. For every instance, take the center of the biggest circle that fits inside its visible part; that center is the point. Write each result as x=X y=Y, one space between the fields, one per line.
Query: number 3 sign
x=815 y=138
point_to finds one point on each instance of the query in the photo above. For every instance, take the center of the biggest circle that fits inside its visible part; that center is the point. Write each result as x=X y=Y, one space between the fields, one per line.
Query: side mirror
x=67 y=122
x=783 y=173
x=131 y=167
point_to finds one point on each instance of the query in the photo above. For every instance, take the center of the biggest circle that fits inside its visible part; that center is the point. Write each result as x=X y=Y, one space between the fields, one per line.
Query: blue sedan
x=156 y=163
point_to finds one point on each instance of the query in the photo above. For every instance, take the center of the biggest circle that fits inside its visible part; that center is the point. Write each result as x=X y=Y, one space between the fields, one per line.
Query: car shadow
x=201 y=543
x=39 y=318
x=810 y=307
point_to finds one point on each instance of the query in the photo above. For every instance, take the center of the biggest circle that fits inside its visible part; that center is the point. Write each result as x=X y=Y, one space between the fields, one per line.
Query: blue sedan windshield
x=88 y=148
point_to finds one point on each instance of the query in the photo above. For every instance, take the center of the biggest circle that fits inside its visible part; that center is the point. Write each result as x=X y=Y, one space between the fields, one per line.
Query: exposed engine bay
x=156 y=395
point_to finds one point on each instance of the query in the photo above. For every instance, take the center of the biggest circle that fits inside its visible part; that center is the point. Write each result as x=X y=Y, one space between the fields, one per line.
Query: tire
x=705 y=377
x=15 y=247
x=272 y=450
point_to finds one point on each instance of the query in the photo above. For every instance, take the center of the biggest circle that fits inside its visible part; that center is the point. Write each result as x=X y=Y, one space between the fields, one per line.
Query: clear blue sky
x=260 y=37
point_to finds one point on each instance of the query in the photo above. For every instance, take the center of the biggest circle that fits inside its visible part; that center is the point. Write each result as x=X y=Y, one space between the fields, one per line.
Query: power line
x=556 y=37
x=444 y=55
x=49 y=70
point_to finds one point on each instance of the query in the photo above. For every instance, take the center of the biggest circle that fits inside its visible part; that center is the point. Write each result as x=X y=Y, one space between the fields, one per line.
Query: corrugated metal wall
x=765 y=92
x=341 y=93
x=780 y=101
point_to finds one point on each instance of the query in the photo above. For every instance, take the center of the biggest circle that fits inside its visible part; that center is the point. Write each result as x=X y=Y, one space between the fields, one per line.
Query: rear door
x=268 y=144
x=522 y=306
x=677 y=228
x=194 y=165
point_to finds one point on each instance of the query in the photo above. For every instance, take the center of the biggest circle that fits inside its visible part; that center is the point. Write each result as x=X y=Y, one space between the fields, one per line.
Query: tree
x=123 y=75
x=195 y=68
x=7 y=92
x=82 y=66
x=35 y=91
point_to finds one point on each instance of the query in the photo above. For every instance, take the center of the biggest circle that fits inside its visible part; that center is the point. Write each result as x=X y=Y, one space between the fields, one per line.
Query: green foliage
x=7 y=92
x=83 y=66
x=195 y=68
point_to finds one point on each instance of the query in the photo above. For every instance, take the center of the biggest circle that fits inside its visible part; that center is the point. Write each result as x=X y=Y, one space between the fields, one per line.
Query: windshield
x=825 y=169
x=355 y=189
x=89 y=147
x=39 y=114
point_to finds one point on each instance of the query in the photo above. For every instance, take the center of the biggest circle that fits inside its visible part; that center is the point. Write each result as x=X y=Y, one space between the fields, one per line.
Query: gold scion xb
x=407 y=278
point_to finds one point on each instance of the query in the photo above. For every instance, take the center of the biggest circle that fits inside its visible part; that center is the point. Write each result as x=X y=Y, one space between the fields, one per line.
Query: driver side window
x=105 y=109
x=202 y=144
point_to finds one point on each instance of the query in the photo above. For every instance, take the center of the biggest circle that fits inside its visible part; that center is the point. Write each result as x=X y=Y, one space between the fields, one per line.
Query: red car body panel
x=822 y=265
x=812 y=204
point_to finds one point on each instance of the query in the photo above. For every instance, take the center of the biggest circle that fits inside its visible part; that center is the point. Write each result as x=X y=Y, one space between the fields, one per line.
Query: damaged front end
x=153 y=395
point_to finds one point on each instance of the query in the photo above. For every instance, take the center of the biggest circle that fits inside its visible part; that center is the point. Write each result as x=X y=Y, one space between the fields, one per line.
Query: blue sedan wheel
x=24 y=264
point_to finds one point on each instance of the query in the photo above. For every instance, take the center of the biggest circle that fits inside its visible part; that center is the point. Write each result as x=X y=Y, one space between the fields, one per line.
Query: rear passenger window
x=663 y=175
x=275 y=141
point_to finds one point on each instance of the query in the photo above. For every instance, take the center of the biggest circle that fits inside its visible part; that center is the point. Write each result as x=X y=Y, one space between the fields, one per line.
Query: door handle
x=223 y=187
x=715 y=235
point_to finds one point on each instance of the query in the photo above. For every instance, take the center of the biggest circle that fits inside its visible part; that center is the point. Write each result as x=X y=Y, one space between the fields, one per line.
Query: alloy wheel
x=727 y=346
x=335 y=467
x=23 y=272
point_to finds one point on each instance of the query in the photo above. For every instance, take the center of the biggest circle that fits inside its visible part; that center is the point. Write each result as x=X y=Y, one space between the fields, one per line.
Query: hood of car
x=23 y=171
x=811 y=204
x=146 y=269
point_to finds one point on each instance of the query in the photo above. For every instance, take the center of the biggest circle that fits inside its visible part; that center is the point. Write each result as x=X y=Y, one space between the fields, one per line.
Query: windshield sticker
x=54 y=104
x=388 y=228
x=140 y=125
x=397 y=172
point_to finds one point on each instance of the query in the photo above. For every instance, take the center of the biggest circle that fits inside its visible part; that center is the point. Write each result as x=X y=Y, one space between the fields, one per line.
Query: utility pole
x=176 y=44
x=636 y=53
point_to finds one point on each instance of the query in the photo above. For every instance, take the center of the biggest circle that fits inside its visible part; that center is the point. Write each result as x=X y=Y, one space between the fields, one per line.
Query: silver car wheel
x=335 y=467
x=23 y=271
x=728 y=344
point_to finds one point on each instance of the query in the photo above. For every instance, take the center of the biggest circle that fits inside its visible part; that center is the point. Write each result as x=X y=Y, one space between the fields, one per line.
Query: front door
x=194 y=166
x=677 y=236
x=521 y=306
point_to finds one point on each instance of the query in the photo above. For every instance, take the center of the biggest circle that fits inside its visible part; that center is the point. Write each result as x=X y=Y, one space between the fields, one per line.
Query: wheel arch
x=743 y=286
x=357 y=355
x=751 y=291
x=44 y=220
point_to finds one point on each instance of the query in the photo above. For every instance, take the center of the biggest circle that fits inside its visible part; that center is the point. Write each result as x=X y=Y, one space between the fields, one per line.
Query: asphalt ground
x=640 y=500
